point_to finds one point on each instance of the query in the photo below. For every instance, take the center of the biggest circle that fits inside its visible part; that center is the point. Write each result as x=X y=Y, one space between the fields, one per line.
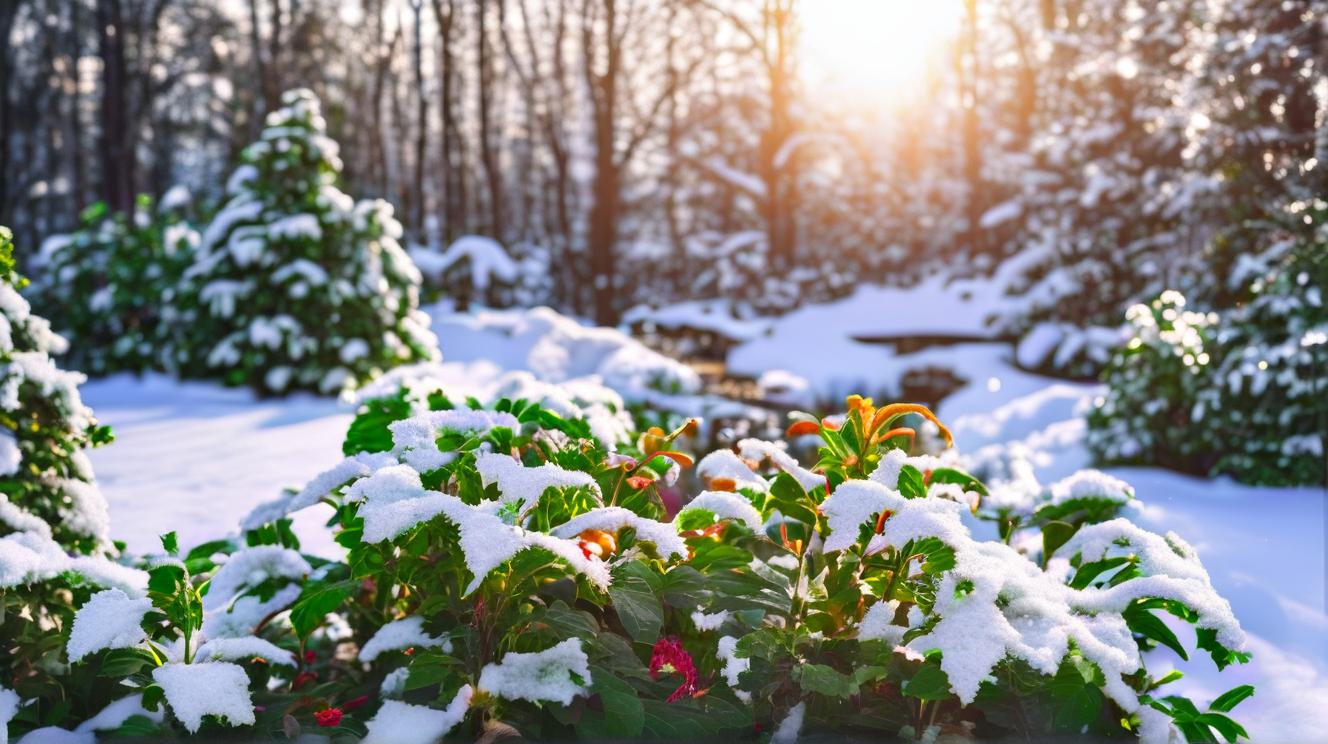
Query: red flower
x=669 y=657
x=328 y=717
x=355 y=702
x=302 y=679
x=309 y=657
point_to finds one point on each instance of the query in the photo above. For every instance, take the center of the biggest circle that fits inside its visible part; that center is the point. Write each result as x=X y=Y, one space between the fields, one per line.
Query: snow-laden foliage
x=295 y=285
x=1149 y=412
x=1269 y=392
x=109 y=286
x=1243 y=394
x=507 y=568
x=55 y=544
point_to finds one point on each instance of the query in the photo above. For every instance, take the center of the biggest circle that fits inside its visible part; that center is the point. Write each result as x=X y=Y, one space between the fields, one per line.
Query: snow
x=9 y=703
x=115 y=714
x=614 y=518
x=709 y=316
x=243 y=649
x=249 y=567
x=725 y=505
x=559 y=674
x=402 y=723
x=526 y=485
x=723 y=467
x=485 y=258
x=215 y=688
x=399 y=635
x=109 y=619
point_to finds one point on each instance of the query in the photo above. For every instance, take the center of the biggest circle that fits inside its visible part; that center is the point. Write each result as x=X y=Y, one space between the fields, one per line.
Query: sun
x=874 y=51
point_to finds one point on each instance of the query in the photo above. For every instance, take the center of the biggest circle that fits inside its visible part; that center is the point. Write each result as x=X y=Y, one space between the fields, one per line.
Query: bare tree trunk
x=488 y=153
x=416 y=217
x=117 y=153
x=8 y=11
x=261 y=103
x=452 y=146
x=968 y=93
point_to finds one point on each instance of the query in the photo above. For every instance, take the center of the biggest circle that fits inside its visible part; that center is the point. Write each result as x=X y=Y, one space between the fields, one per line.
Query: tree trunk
x=117 y=155
x=416 y=218
x=488 y=153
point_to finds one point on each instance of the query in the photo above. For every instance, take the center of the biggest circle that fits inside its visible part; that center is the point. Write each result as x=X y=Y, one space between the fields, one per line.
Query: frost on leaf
x=725 y=505
x=399 y=635
x=556 y=674
x=614 y=518
x=523 y=485
x=109 y=619
x=244 y=648
x=402 y=723
x=216 y=688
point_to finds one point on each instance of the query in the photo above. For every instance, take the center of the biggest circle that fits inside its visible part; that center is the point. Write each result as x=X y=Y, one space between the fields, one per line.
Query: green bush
x=506 y=572
x=109 y=286
x=1150 y=413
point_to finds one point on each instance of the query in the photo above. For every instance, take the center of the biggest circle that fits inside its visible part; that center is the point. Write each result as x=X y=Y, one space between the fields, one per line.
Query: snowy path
x=195 y=458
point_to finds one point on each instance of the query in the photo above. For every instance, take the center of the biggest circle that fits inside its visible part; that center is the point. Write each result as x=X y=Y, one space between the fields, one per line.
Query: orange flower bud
x=800 y=428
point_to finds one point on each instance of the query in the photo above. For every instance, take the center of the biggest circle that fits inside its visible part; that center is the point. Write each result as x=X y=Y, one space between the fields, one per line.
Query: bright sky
x=874 y=51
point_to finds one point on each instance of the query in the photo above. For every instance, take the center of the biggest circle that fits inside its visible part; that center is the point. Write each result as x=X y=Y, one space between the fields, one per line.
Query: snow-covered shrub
x=296 y=285
x=54 y=532
x=1269 y=395
x=473 y=269
x=507 y=569
x=1066 y=350
x=104 y=287
x=502 y=563
x=879 y=609
x=1150 y=413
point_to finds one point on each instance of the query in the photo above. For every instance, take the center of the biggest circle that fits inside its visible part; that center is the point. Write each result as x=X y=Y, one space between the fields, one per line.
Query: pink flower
x=669 y=657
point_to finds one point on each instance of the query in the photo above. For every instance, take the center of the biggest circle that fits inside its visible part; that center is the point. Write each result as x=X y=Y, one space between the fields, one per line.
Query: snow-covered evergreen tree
x=104 y=286
x=1262 y=114
x=1270 y=394
x=44 y=428
x=53 y=518
x=296 y=285
x=1105 y=204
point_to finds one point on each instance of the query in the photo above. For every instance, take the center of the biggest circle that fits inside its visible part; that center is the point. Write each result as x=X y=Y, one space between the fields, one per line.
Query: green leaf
x=1231 y=698
x=1151 y=626
x=929 y=683
x=1229 y=729
x=1054 y=535
x=170 y=542
x=910 y=483
x=615 y=711
x=316 y=600
x=958 y=478
x=634 y=597
x=824 y=680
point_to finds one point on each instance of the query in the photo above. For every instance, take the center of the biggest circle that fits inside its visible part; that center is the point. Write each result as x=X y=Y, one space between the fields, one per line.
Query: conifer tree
x=296 y=285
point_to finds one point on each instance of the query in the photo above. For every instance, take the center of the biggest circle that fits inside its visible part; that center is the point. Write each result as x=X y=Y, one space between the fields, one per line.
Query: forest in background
x=655 y=151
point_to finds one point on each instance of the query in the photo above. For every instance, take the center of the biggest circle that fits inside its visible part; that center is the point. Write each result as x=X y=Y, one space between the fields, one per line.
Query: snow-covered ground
x=195 y=458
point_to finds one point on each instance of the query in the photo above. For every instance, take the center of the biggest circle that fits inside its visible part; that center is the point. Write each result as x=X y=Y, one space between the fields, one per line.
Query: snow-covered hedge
x=1150 y=412
x=296 y=285
x=509 y=569
x=54 y=532
x=1245 y=394
x=106 y=286
x=1270 y=392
